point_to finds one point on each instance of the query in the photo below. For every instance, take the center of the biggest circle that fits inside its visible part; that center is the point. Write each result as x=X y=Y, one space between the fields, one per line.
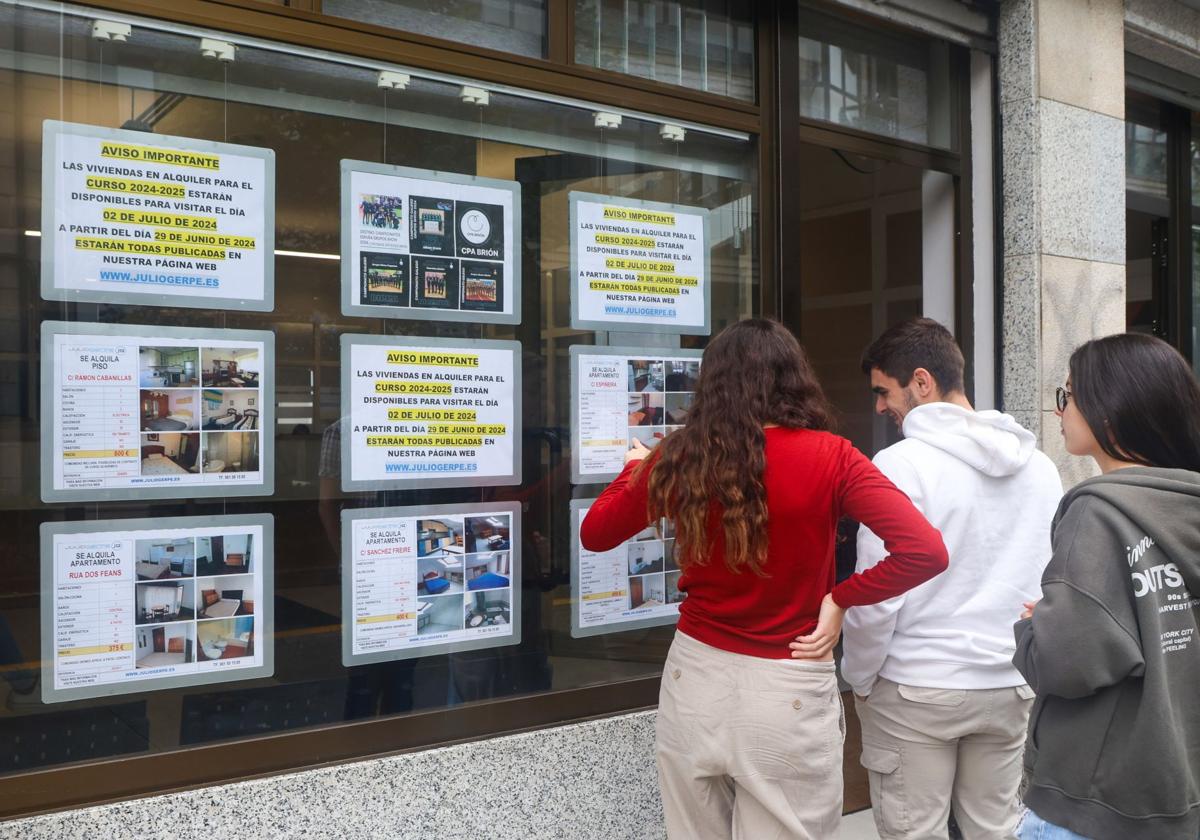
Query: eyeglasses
x=1061 y=396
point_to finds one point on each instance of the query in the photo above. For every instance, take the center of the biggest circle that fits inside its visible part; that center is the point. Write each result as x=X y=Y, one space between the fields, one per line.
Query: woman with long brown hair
x=750 y=724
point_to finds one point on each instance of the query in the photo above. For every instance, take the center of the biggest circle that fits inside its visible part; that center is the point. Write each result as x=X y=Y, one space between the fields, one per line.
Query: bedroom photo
x=225 y=597
x=159 y=602
x=168 y=411
x=225 y=554
x=647 y=591
x=155 y=647
x=224 y=638
x=169 y=453
x=229 y=409
x=490 y=570
x=160 y=559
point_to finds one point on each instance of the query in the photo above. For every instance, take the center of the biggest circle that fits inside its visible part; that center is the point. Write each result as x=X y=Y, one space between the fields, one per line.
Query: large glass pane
x=881 y=82
x=515 y=26
x=698 y=44
x=1147 y=215
x=314 y=112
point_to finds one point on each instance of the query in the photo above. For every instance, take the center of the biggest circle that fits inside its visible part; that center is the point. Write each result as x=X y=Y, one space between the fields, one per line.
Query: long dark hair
x=754 y=372
x=1140 y=399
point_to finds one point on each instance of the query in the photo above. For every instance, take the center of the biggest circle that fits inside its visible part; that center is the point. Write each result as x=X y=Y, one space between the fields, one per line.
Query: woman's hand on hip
x=637 y=452
x=820 y=643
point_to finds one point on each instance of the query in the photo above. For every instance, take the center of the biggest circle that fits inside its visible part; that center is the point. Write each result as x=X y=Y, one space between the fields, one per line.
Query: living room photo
x=159 y=602
x=230 y=367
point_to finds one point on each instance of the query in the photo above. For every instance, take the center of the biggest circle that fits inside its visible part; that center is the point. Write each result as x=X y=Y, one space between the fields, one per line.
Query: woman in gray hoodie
x=1113 y=647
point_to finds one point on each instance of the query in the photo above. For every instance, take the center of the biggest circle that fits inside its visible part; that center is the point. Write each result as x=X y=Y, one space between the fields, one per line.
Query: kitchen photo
x=168 y=367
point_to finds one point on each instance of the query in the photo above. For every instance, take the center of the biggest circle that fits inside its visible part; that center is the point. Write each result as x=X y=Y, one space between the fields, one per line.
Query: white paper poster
x=621 y=394
x=166 y=412
x=439 y=412
x=634 y=585
x=429 y=245
x=132 y=217
x=430 y=581
x=638 y=265
x=136 y=605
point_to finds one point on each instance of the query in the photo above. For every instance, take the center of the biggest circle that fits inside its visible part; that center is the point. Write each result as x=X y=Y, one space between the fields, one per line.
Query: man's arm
x=867 y=632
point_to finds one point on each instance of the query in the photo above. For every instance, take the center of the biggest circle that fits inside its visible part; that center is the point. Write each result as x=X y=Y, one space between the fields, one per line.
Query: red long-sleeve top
x=811 y=480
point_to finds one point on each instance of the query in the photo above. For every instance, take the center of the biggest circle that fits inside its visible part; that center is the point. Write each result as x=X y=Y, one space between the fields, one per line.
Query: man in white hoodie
x=943 y=710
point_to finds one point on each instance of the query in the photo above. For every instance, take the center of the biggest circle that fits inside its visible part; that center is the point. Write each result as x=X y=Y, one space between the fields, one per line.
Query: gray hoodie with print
x=1113 y=653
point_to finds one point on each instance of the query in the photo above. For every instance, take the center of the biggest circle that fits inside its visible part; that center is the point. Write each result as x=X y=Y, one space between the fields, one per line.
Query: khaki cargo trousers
x=929 y=749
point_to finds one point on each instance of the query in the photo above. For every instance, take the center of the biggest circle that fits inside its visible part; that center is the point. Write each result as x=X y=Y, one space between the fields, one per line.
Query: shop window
x=1162 y=198
x=199 y=600
x=885 y=83
x=513 y=26
x=698 y=45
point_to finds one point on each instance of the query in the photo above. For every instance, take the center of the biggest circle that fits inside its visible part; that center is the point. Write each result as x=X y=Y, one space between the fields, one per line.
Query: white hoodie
x=977 y=476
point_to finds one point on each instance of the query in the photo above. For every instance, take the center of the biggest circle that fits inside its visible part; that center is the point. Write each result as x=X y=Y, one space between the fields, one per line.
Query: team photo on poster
x=418 y=241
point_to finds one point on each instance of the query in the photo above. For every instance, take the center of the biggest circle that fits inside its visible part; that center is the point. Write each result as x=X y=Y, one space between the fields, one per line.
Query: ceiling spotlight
x=393 y=80
x=110 y=30
x=220 y=50
x=606 y=119
x=674 y=133
x=474 y=95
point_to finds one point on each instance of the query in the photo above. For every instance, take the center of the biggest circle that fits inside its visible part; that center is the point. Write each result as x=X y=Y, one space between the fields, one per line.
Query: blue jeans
x=1034 y=827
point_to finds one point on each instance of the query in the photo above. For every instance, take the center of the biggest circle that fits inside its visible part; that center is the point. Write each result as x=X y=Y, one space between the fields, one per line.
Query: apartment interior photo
x=160 y=559
x=645 y=557
x=492 y=607
x=489 y=570
x=168 y=411
x=225 y=597
x=230 y=409
x=229 y=367
x=159 y=602
x=155 y=647
x=439 y=614
x=226 y=638
x=647 y=591
x=232 y=452
x=225 y=554
x=645 y=409
x=168 y=367
x=170 y=453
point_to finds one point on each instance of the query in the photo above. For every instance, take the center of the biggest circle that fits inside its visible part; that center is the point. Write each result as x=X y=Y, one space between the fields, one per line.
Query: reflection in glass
x=886 y=84
x=515 y=26
x=699 y=45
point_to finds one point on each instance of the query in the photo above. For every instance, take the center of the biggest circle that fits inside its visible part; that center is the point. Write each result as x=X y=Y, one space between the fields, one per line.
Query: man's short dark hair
x=917 y=343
